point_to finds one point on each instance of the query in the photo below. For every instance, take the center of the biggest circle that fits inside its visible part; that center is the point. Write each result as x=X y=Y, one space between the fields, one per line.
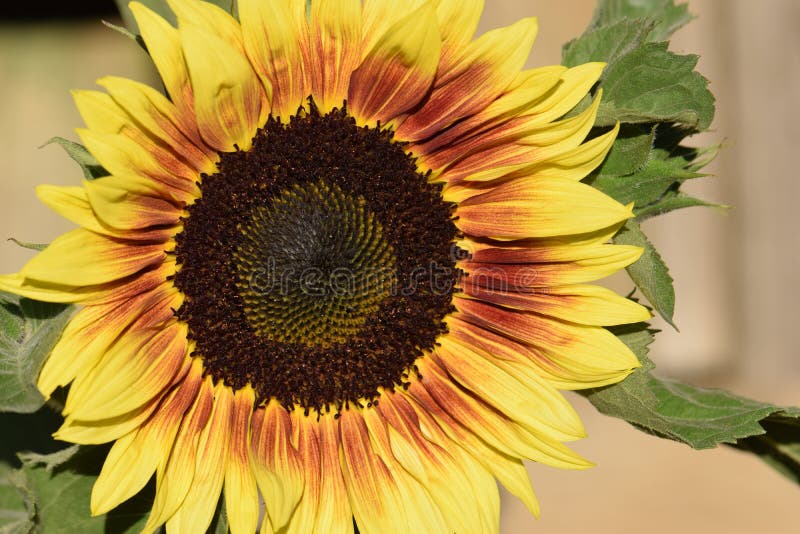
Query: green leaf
x=649 y=273
x=652 y=84
x=17 y=508
x=701 y=418
x=669 y=17
x=606 y=43
x=643 y=81
x=29 y=331
x=779 y=447
x=90 y=166
x=161 y=7
x=57 y=487
x=62 y=492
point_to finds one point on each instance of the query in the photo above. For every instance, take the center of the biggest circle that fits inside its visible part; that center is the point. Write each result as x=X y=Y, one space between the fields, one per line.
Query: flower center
x=318 y=265
x=313 y=266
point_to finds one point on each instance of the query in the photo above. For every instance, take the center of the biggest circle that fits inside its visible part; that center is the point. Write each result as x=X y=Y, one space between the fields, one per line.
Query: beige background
x=737 y=274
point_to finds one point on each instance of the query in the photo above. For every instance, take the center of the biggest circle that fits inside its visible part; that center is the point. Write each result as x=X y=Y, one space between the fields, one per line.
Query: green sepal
x=30 y=246
x=90 y=166
x=674 y=200
x=126 y=32
x=649 y=272
x=645 y=168
x=28 y=331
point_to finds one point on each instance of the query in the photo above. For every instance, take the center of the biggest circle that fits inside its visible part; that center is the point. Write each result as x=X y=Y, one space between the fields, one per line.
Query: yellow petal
x=491 y=122
x=575 y=84
x=487 y=67
x=241 y=494
x=528 y=399
x=583 y=304
x=335 y=50
x=276 y=463
x=397 y=72
x=334 y=513
x=539 y=207
x=228 y=98
x=72 y=203
x=458 y=20
x=175 y=474
x=130 y=203
x=421 y=512
x=122 y=155
x=89 y=334
x=274 y=37
x=468 y=452
x=81 y=257
x=159 y=117
x=574 y=163
x=561 y=136
x=374 y=496
x=164 y=47
x=106 y=430
x=210 y=16
x=134 y=457
x=442 y=473
x=309 y=457
x=515 y=268
x=571 y=356
x=129 y=375
x=197 y=510
x=468 y=420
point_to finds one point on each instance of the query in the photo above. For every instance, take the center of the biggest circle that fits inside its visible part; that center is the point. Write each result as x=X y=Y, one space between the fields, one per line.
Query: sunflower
x=342 y=269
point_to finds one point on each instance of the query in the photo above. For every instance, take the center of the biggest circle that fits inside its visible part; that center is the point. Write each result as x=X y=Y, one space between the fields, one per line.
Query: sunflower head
x=343 y=265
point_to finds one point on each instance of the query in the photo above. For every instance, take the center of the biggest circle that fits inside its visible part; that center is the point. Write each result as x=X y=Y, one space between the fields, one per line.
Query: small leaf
x=30 y=329
x=670 y=17
x=649 y=273
x=49 y=461
x=90 y=166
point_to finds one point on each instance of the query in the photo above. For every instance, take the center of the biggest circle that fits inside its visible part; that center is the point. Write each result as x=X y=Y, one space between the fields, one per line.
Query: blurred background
x=737 y=274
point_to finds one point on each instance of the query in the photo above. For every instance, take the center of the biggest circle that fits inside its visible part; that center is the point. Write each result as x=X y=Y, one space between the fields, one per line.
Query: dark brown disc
x=318 y=265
